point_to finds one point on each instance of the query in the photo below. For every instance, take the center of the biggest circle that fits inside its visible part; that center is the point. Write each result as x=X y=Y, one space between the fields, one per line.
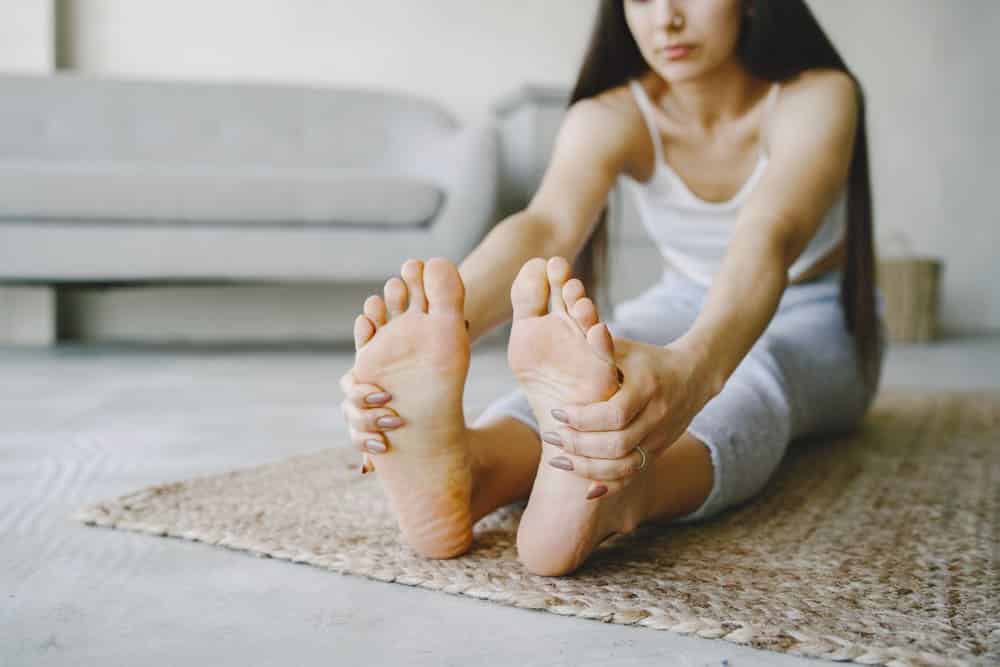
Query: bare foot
x=560 y=354
x=421 y=357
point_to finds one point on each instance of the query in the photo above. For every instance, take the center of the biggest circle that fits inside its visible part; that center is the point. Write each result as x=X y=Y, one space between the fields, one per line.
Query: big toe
x=529 y=295
x=444 y=288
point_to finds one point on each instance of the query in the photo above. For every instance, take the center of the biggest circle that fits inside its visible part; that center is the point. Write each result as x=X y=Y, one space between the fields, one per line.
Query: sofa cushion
x=136 y=193
x=77 y=117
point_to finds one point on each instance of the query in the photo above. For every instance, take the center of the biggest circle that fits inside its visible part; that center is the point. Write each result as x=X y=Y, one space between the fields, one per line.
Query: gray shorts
x=800 y=378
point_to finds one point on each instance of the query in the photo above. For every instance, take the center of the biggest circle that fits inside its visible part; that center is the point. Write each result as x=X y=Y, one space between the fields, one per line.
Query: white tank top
x=692 y=233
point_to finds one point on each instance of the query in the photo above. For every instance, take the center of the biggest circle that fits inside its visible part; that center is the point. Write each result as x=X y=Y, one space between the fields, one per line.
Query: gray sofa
x=123 y=180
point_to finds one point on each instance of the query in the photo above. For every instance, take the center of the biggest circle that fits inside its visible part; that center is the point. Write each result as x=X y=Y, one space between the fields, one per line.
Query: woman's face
x=711 y=28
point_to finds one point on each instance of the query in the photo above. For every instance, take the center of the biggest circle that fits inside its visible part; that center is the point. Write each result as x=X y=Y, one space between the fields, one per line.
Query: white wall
x=26 y=36
x=929 y=68
x=464 y=53
x=927 y=65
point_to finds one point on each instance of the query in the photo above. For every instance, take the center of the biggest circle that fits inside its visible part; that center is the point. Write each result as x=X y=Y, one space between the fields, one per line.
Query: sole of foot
x=415 y=346
x=561 y=353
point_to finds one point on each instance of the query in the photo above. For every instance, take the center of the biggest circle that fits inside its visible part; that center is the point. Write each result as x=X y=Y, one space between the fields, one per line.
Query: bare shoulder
x=817 y=102
x=607 y=123
x=819 y=87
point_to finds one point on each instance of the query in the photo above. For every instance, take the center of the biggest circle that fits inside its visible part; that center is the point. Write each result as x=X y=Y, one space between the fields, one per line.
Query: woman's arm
x=810 y=143
x=590 y=150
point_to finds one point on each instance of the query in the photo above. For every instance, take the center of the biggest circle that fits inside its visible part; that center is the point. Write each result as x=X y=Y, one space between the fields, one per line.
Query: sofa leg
x=27 y=315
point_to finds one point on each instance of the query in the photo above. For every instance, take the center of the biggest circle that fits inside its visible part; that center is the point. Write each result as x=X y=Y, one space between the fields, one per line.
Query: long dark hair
x=779 y=39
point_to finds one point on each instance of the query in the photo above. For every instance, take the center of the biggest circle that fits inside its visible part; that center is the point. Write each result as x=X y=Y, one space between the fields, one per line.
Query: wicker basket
x=910 y=286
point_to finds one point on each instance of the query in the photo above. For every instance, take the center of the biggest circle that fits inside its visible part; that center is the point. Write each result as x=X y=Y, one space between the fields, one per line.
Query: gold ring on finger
x=641 y=451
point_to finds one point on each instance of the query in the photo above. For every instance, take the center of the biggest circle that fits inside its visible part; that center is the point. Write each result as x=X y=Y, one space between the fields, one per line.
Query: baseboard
x=27 y=315
x=237 y=314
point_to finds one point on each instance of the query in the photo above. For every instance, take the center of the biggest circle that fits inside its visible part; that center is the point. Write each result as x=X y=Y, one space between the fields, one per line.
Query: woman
x=740 y=132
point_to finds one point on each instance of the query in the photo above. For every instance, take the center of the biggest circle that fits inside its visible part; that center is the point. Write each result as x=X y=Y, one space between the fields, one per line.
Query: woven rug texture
x=877 y=547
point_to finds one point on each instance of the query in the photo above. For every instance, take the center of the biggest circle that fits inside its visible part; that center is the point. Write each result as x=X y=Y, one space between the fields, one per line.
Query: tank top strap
x=646 y=108
x=772 y=100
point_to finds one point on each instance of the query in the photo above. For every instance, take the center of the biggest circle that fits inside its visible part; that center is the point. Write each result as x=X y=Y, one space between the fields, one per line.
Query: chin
x=678 y=72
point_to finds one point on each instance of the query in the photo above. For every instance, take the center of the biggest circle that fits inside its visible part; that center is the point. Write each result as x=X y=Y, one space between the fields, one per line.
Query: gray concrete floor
x=85 y=423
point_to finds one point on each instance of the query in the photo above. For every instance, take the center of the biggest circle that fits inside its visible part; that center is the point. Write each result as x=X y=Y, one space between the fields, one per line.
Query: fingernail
x=378 y=397
x=375 y=446
x=561 y=416
x=562 y=463
x=388 y=421
x=597 y=492
x=552 y=438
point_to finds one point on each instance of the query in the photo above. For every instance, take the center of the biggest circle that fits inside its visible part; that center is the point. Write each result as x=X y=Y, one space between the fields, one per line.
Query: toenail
x=621 y=376
x=562 y=463
x=597 y=492
x=375 y=446
x=378 y=397
x=559 y=415
x=552 y=438
x=388 y=422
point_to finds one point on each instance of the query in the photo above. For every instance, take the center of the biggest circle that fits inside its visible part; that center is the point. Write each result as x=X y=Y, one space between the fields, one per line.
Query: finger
x=347 y=381
x=607 y=488
x=598 y=469
x=369 y=442
x=363 y=396
x=608 y=444
x=372 y=419
x=614 y=414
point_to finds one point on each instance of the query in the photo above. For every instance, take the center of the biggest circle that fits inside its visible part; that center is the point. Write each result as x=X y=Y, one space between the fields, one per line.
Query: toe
x=529 y=295
x=413 y=275
x=573 y=291
x=363 y=331
x=558 y=270
x=375 y=310
x=444 y=288
x=584 y=312
x=600 y=339
x=395 y=295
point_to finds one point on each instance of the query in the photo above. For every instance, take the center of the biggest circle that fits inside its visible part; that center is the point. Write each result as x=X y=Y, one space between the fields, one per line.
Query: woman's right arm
x=590 y=151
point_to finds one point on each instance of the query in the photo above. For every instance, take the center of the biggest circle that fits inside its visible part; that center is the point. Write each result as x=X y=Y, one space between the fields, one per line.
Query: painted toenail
x=562 y=463
x=559 y=415
x=597 y=492
x=378 y=397
x=388 y=421
x=552 y=438
x=374 y=446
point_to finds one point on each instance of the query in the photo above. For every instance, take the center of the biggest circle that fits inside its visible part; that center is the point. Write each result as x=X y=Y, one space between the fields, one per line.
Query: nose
x=665 y=11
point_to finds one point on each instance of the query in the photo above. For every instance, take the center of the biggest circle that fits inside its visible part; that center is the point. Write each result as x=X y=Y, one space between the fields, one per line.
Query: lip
x=677 y=51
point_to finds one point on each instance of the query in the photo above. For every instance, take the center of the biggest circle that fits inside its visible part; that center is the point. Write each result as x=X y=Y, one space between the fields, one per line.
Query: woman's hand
x=662 y=391
x=366 y=417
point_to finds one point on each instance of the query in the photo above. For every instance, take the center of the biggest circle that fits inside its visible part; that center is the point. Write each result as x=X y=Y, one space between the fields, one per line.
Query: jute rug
x=878 y=547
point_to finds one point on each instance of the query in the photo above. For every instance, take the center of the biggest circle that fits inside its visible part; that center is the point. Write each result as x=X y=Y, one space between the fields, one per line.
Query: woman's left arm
x=810 y=143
